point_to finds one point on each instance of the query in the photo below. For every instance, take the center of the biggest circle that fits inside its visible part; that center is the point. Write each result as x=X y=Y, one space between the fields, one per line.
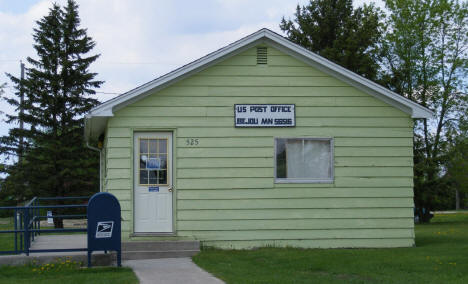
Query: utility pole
x=21 y=112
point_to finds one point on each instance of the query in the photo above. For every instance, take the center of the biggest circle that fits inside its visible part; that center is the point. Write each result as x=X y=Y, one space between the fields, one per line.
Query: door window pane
x=143 y=177
x=143 y=159
x=162 y=146
x=153 y=177
x=143 y=145
x=153 y=145
x=305 y=159
x=163 y=159
x=162 y=177
x=153 y=161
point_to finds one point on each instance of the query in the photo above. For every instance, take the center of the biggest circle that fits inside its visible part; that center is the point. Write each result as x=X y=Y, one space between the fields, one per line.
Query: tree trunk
x=425 y=215
x=457 y=200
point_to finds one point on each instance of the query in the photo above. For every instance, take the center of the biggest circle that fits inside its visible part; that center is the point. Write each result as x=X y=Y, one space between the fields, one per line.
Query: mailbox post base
x=119 y=258
x=89 y=259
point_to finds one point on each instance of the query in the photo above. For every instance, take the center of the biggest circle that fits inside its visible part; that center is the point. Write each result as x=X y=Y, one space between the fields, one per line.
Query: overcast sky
x=140 y=40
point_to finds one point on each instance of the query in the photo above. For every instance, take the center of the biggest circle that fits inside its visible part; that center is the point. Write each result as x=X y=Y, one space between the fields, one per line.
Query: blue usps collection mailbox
x=104 y=228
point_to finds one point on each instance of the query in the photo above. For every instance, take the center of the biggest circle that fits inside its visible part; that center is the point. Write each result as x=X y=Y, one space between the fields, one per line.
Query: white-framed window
x=304 y=160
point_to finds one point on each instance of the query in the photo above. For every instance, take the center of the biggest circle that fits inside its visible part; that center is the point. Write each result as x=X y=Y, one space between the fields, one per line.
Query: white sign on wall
x=50 y=220
x=265 y=115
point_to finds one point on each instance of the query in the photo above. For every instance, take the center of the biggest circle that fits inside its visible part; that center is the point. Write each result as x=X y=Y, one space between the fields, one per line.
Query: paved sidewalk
x=61 y=242
x=58 y=242
x=170 y=271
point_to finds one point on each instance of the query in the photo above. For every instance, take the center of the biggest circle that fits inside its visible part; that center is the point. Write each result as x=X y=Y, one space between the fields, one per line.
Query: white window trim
x=308 y=180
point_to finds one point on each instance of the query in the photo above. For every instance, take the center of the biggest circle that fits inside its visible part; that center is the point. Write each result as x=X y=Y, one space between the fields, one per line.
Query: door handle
x=170 y=188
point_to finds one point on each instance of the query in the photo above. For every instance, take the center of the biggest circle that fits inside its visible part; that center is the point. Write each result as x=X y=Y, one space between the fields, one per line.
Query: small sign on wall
x=50 y=220
x=262 y=115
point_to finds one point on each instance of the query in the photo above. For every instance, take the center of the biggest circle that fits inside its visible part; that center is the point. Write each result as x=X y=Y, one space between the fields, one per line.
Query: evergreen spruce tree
x=58 y=89
x=340 y=33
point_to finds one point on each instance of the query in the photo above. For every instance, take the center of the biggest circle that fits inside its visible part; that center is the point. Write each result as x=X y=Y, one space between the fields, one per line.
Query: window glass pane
x=303 y=159
x=162 y=146
x=163 y=161
x=152 y=145
x=153 y=177
x=152 y=162
x=143 y=145
x=143 y=159
x=143 y=177
x=281 y=158
x=163 y=177
x=294 y=159
x=317 y=159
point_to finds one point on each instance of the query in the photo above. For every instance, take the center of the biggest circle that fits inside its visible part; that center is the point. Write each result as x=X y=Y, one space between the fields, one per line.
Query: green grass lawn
x=71 y=275
x=440 y=256
x=6 y=240
x=67 y=273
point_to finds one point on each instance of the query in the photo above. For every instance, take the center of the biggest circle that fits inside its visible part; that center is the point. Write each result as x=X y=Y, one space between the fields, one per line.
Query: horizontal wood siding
x=225 y=189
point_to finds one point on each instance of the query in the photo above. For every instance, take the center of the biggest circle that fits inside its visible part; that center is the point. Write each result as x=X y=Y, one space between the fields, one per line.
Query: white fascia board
x=183 y=72
x=279 y=42
x=95 y=126
x=325 y=65
x=106 y=109
x=107 y=112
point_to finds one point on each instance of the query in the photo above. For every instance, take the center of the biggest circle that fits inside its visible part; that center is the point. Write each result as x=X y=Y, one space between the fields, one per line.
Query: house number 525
x=192 y=141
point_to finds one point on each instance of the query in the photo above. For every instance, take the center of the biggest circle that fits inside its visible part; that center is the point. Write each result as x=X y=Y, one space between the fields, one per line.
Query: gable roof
x=96 y=119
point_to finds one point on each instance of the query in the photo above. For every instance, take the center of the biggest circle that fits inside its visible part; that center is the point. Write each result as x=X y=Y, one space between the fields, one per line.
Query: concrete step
x=135 y=255
x=166 y=245
x=159 y=249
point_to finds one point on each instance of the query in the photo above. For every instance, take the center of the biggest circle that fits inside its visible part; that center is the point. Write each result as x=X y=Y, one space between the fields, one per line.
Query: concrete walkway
x=162 y=270
x=170 y=271
x=58 y=242
x=61 y=242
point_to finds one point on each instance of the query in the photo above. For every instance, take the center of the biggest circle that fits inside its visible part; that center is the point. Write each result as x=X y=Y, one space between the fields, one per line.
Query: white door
x=153 y=182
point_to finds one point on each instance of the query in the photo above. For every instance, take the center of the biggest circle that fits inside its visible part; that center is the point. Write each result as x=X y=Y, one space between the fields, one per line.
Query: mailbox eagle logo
x=104 y=229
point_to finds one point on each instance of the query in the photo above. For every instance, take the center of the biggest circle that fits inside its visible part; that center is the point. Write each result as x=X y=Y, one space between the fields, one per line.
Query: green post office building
x=261 y=143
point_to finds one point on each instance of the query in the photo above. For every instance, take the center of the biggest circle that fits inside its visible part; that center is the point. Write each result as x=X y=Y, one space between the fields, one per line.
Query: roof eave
x=108 y=108
x=329 y=67
x=179 y=74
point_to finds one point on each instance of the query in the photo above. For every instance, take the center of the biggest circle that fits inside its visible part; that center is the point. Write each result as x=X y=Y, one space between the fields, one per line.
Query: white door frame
x=145 y=194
